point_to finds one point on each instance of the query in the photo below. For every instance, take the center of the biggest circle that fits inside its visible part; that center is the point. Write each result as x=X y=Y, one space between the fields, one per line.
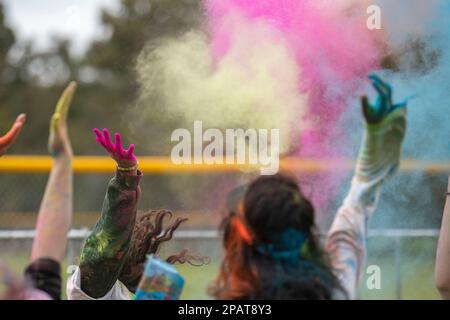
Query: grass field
x=417 y=268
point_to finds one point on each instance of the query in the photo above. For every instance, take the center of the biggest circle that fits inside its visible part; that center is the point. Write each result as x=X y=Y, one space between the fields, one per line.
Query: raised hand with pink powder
x=124 y=158
x=106 y=248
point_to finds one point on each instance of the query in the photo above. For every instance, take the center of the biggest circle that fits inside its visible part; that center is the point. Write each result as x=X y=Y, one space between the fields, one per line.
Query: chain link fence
x=405 y=257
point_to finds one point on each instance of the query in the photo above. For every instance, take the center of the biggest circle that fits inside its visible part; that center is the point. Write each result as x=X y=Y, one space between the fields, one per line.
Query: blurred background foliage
x=32 y=80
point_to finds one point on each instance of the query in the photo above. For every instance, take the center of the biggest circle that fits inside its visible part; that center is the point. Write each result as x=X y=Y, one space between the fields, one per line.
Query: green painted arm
x=105 y=249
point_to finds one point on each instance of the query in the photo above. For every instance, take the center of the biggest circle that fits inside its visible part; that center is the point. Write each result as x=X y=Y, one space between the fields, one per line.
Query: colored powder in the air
x=333 y=48
x=293 y=65
x=334 y=51
x=253 y=86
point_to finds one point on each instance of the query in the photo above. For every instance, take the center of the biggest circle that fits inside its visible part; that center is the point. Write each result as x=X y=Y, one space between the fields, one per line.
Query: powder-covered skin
x=106 y=248
x=378 y=160
x=385 y=130
x=8 y=139
x=56 y=209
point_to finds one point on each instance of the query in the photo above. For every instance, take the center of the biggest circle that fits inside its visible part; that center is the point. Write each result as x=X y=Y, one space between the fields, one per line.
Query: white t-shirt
x=74 y=292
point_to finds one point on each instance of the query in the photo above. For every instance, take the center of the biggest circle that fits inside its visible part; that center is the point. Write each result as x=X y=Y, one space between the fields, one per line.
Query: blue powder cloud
x=413 y=199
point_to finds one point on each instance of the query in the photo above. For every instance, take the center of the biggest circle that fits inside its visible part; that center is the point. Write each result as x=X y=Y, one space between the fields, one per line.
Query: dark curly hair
x=272 y=214
x=148 y=235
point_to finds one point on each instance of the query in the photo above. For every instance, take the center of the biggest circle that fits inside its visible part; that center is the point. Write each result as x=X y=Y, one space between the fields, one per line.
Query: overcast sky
x=77 y=19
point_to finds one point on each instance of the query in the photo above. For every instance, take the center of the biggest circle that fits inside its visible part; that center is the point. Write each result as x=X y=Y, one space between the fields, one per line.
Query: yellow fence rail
x=164 y=165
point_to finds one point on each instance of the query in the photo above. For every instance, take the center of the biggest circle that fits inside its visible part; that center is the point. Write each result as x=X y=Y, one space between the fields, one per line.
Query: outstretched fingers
x=116 y=149
x=107 y=139
x=63 y=105
x=119 y=148
x=383 y=106
x=401 y=105
x=21 y=119
x=383 y=89
x=13 y=133
x=129 y=152
x=99 y=137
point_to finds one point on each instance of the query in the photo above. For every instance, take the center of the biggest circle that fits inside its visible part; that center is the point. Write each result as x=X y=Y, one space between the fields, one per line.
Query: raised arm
x=8 y=139
x=442 y=273
x=55 y=214
x=106 y=247
x=378 y=160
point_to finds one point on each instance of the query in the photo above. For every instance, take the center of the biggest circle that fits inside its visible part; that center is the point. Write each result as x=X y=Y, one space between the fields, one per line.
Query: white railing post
x=398 y=267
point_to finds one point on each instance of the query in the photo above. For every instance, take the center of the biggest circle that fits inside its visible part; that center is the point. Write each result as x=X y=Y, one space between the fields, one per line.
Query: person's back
x=271 y=249
x=271 y=246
